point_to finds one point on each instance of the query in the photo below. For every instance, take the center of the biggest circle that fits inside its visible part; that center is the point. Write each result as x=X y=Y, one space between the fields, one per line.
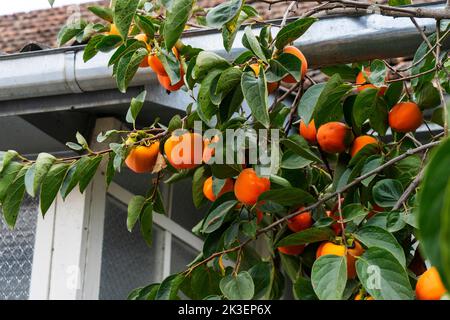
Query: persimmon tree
x=346 y=212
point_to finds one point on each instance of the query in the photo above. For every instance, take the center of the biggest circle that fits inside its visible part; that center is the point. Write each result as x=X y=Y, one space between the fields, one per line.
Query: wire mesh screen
x=16 y=253
x=127 y=261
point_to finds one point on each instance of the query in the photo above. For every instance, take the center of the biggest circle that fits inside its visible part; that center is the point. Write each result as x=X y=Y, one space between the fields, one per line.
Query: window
x=16 y=253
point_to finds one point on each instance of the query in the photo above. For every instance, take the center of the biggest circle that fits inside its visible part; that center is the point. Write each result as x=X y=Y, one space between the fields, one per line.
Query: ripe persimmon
x=143 y=158
x=156 y=64
x=296 y=52
x=166 y=83
x=309 y=131
x=360 y=142
x=340 y=250
x=113 y=31
x=292 y=250
x=405 y=117
x=184 y=151
x=362 y=84
x=334 y=137
x=429 y=286
x=271 y=86
x=249 y=186
x=300 y=222
x=359 y=296
x=208 y=188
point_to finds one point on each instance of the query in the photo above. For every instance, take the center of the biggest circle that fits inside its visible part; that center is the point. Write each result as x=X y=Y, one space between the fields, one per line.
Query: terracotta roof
x=42 y=26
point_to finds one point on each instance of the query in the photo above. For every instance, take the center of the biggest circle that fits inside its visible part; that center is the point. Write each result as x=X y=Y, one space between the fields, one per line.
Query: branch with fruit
x=345 y=202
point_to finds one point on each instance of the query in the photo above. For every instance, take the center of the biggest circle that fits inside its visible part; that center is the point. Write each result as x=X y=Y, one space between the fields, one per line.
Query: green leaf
x=127 y=68
x=89 y=172
x=130 y=46
x=146 y=224
x=372 y=236
x=110 y=170
x=215 y=219
x=329 y=277
x=291 y=160
x=240 y=287
x=102 y=12
x=168 y=290
x=207 y=61
x=230 y=29
x=228 y=80
x=353 y=211
x=386 y=192
x=223 y=13
x=135 y=207
x=261 y=276
x=171 y=65
x=346 y=72
x=298 y=144
x=393 y=93
x=107 y=43
x=205 y=105
x=13 y=198
x=382 y=276
x=292 y=31
x=364 y=105
x=433 y=212
x=284 y=65
x=136 y=107
x=310 y=235
x=329 y=103
x=124 y=11
x=377 y=72
x=309 y=101
x=254 y=44
x=6 y=158
x=91 y=48
x=36 y=173
x=176 y=20
x=146 y=25
x=51 y=184
x=427 y=96
x=371 y=164
x=287 y=196
x=7 y=177
x=69 y=31
x=303 y=289
x=379 y=117
x=199 y=178
x=255 y=93
x=399 y=2
x=73 y=176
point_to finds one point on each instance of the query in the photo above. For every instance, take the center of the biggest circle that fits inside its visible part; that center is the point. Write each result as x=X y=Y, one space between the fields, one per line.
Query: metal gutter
x=331 y=40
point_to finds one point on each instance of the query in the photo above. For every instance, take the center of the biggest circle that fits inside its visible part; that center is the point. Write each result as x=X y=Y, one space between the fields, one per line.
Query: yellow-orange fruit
x=185 y=151
x=334 y=137
x=405 y=117
x=360 y=142
x=309 y=131
x=429 y=286
x=300 y=222
x=208 y=189
x=249 y=186
x=340 y=250
x=143 y=158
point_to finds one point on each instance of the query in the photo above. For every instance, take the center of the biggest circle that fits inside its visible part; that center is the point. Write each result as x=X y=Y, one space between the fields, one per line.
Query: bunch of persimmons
x=331 y=137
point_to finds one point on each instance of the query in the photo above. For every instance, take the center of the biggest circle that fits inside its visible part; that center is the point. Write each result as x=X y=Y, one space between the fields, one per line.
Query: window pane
x=183 y=210
x=127 y=261
x=182 y=255
x=16 y=252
